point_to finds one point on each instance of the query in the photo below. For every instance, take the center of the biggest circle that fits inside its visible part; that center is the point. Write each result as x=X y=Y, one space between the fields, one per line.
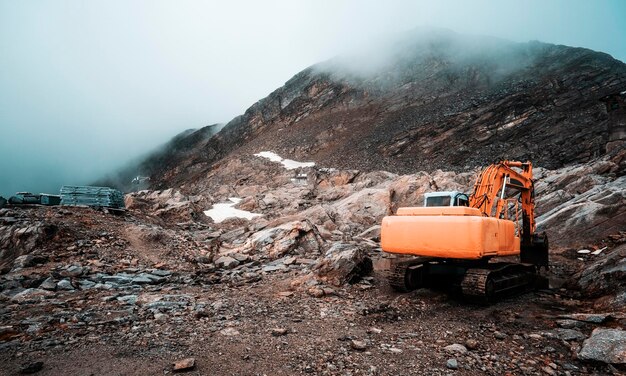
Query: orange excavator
x=452 y=240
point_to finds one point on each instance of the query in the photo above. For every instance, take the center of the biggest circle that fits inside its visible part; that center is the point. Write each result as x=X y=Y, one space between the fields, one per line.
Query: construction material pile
x=92 y=196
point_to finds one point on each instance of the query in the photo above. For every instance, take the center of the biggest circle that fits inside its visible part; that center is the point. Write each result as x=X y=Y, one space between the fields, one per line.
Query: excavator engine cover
x=449 y=233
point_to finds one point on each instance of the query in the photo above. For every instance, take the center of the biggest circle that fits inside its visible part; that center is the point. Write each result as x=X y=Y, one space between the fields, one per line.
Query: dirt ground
x=404 y=334
x=110 y=295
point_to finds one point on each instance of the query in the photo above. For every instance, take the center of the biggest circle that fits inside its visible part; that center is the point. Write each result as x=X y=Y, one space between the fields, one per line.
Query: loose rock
x=276 y=332
x=456 y=348
x=452 y=363
x=358 y=345
x=184 y=364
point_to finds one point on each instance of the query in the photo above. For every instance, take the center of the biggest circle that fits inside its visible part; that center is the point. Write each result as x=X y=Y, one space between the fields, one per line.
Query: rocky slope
x=425 y=101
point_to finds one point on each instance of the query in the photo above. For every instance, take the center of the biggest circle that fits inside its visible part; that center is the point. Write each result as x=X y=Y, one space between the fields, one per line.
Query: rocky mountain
x=429 y=100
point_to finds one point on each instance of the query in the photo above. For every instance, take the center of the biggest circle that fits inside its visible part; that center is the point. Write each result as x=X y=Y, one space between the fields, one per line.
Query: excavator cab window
x=451 y=198
x=438 y=201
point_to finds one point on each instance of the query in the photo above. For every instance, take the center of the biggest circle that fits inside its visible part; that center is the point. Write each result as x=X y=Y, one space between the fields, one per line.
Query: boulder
x=184 y=365
x=65 y=284
x=226 y=262
x=293 y=237
x=343 y=263
x=169 y=204
x=565 y=334
x=19 y=241
x=72 y=271
x=605 y=345
x=48 y=284
x=358 y=345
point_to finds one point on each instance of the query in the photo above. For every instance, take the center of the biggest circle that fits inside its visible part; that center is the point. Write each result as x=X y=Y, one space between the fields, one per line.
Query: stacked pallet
x=106 y=197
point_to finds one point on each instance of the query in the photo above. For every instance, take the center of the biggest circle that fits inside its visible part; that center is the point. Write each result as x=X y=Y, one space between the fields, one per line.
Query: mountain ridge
x=445 y=109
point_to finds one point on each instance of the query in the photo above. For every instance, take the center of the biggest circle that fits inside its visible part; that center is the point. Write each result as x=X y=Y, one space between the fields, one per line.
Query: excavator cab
x=451 y=198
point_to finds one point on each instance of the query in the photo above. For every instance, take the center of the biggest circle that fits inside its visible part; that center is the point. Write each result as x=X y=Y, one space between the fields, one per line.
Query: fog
x=87 y=86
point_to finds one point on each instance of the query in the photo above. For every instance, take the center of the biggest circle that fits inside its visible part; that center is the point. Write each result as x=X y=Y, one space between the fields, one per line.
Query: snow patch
x=222 y=211
x=289 y=164
x=270 y=155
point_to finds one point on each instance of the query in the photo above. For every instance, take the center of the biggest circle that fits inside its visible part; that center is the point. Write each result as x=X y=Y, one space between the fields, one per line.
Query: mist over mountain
x=167 y=156
x=425 y=100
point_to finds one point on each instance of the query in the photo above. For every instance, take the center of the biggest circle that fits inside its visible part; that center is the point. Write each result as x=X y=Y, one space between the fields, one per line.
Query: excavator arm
x=489 y=190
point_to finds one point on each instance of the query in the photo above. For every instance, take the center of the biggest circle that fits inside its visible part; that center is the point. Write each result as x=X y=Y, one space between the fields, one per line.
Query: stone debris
x=163 y=278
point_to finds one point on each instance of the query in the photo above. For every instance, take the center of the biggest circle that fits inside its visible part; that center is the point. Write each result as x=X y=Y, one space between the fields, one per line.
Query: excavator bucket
x=536 y=252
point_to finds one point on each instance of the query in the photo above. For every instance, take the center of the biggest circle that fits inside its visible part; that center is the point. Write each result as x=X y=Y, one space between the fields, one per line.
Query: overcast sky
x=86 y=85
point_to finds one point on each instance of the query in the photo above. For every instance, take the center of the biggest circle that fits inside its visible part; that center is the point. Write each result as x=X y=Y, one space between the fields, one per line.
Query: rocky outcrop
x=170 y=205
x=20 y=236
x=605 y=279
x=582 y=203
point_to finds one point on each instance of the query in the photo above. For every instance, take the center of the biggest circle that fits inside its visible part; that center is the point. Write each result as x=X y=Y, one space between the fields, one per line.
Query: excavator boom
x=490 y=188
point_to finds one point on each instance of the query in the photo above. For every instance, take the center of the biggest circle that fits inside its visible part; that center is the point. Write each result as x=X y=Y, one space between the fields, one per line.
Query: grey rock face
x=48 y=284
x=72 y=271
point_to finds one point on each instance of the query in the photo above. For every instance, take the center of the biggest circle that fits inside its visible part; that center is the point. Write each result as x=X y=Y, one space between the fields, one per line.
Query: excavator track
x=497 y=281
x=405 y=276
x=397 y=277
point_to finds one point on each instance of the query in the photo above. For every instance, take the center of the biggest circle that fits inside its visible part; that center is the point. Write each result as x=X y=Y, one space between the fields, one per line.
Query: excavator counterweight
x=454 y=244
